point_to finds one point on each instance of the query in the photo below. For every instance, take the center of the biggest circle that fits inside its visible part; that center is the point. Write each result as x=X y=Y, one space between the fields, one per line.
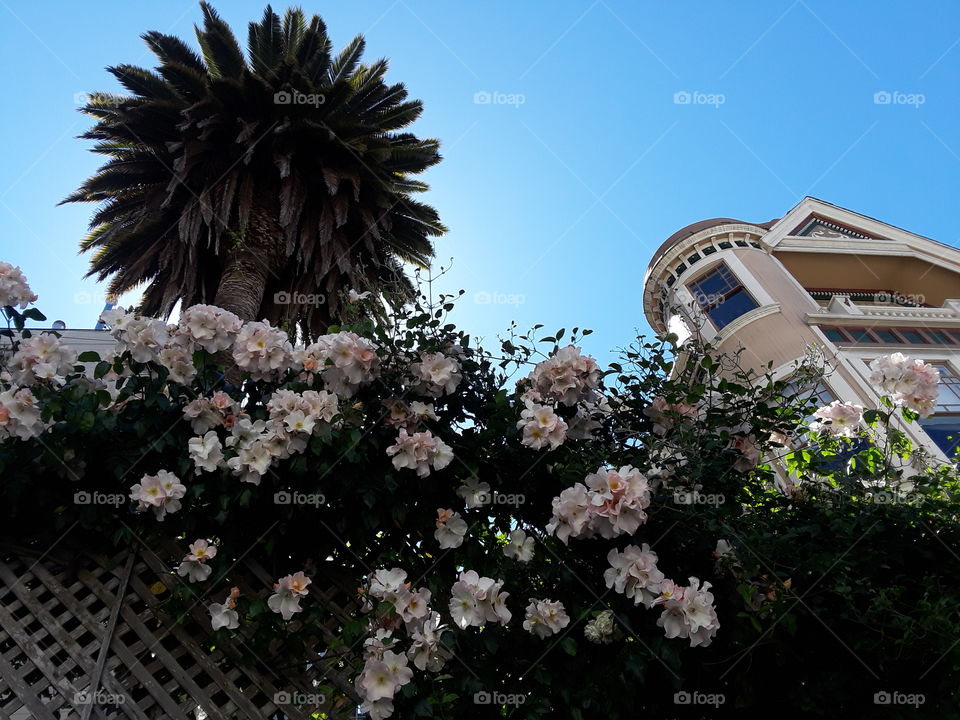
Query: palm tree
x=234 y=179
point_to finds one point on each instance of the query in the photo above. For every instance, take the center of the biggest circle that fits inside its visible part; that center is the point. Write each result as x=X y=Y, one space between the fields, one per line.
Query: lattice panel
x=56 y=614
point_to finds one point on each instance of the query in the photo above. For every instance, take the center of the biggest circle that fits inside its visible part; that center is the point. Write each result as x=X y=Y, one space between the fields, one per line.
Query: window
x=860 y=335
x=891 y=336
x=943 y=426
x=721 y=296
x=822 y=395
x=887 y=336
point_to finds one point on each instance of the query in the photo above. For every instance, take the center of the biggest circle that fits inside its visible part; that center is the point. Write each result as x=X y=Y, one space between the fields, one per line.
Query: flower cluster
x=258 y=444
x=688 y=612
x=287 y=593
x=194 y=565
x=419 y=452
x=451 y=529
x=14 y=289
x=391 y=586
x=293 y=417
x=408 y=415
x=520 y=547
x=436 y=374
x=344 y=360
x=910 y=383
x=566 y=377
x=210 y=327
x=41 y=357
x=600 y=630
x=545 y=617
x=144 y=338
x=747 y=451
x=206 y=452
x=838 y=419
x=634 y=574
x=20 y=414
x=611 y=503
x=666 y=416
x=541 y=426
x=225 y=615
x=384 y=671
x=301 y=412
x=262 y=350
x=177 y=358
x=474 y=493
x=426 y=650
x=206 y=413
x=161 y=492
x=476 y=601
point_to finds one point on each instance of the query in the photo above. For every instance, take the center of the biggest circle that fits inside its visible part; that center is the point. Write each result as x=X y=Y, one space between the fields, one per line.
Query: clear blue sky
x=559 y=201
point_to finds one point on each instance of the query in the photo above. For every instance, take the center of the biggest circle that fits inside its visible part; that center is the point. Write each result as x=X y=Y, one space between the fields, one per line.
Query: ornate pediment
x=819 y=228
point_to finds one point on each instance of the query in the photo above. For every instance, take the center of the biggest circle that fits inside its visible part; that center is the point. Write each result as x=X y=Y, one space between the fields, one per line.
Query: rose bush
x=500 y=516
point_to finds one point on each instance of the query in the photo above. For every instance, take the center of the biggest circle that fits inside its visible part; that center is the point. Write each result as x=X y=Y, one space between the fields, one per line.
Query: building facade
x=820 y=275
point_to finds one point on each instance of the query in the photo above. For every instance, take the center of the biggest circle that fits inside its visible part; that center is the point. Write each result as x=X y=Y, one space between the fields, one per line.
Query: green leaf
x=88 y=356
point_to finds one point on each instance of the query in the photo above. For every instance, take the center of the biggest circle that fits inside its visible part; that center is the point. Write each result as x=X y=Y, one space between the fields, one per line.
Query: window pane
x=733 y=307
x=944 y=430
x=948 y=399
x=912 y=336
x=860 y=335
x=887 y=336
x=840 y=462
x=835 y=335
x=938 y=337
x=712 y=284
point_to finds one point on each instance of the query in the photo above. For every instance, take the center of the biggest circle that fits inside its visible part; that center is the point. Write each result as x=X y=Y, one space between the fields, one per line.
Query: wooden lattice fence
x=85 y=637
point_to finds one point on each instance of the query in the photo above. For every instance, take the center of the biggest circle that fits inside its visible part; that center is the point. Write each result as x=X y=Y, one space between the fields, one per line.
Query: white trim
x=858 y=359
x=894 y=241
x=748 y=317
x=681 y=293
x=656 y=275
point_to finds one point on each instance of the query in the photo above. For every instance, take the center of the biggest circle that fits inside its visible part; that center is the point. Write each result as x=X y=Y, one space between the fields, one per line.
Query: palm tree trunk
x=250 y=265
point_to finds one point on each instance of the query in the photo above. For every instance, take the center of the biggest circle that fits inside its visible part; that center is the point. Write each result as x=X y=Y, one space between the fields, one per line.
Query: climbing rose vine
x=467 y=503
